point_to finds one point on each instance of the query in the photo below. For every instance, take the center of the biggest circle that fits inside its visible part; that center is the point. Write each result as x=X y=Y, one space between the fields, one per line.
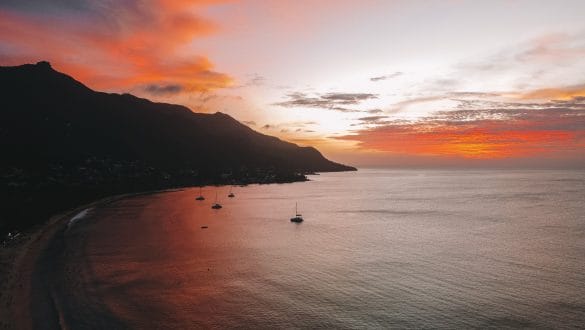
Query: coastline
x=28 y=206
x=20 y=260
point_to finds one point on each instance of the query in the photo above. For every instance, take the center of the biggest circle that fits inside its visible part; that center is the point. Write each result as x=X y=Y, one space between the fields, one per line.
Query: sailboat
x=216 y=205
x=298 y=217
x=200 y=197
x=231 y=194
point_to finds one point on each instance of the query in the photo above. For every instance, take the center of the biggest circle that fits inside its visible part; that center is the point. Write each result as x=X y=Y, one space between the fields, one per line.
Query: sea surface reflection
x=378 y=248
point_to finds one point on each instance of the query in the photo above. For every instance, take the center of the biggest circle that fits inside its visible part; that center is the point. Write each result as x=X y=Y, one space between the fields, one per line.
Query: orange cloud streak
x=483 y=140
x=120 y=48
x=566 y=93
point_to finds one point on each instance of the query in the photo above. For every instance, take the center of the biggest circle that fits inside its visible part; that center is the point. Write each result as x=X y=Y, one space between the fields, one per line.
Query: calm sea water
x=378 y=249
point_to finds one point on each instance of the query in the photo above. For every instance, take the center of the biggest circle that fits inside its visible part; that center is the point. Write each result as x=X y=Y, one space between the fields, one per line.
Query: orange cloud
x=467 y=143
x=116 y=46
x=565 y=93
x=520 y=134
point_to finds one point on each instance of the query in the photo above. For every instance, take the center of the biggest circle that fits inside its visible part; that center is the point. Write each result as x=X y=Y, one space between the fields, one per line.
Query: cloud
x=257 y=80
x=373 y=120
x=555 y=93
x=252 y=80
x=44 y=6
x=473 y=94
x=549 y=58
x=342 y=109
x=296 y=126
x=555 y=129
x=555 y=47
x=374 y=111
x=387 y=76
x=329 y=101
x=163 y=89
x=114 y=45
x=399 y=106
x=348 y=98
x=482 y=100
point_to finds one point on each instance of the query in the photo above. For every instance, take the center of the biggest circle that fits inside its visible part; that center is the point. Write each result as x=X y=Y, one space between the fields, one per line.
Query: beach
x=19 y=260
x=22 y=263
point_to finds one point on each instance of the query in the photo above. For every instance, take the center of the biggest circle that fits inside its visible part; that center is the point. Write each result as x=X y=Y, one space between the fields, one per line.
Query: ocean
x=378 y=249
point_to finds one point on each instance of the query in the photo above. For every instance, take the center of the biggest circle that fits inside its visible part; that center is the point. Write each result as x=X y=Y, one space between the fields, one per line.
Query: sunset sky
x=393 y=83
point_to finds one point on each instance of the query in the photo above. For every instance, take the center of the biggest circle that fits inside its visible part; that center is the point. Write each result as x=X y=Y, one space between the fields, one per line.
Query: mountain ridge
x=121 y=104
x=61 y=139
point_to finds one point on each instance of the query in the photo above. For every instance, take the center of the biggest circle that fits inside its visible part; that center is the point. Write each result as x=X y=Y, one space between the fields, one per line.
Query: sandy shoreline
x=19 y=261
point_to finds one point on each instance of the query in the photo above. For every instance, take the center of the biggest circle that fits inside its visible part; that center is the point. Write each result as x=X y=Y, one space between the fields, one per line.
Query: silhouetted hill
x=57 y=135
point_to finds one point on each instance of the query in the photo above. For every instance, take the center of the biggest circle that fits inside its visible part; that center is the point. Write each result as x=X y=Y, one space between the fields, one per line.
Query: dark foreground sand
x=25 y=300
x=18 y=263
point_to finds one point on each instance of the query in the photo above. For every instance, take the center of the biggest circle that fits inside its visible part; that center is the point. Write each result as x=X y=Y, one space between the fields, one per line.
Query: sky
x=449 y=83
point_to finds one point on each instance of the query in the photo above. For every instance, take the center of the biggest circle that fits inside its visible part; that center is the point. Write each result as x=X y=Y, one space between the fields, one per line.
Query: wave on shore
x=78 y=217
